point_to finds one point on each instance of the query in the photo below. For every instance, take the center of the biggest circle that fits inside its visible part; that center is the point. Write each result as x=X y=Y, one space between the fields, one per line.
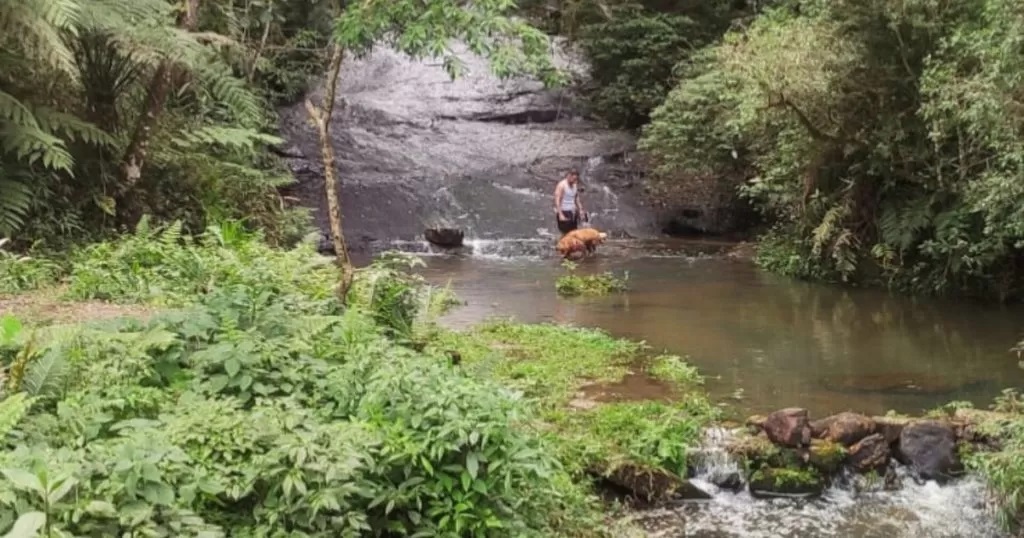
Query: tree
x=421 y=29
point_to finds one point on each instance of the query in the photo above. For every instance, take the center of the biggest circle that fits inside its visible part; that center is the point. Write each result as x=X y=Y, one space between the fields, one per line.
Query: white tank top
x=568 y=198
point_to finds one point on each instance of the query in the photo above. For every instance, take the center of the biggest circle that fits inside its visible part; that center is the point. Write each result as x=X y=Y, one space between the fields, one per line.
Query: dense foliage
x=883 y=137
x=109 y=110
x=254 y=405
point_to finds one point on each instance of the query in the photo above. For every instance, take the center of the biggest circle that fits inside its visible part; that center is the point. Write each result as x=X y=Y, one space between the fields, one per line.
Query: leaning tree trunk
x=321 y=117
x=152 y=107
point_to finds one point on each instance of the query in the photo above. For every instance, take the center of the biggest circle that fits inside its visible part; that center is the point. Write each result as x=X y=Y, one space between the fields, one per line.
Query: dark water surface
x=763 y=341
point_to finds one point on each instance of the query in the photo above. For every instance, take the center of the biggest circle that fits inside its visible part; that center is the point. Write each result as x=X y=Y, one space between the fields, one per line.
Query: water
x=763 y=341
x=957 y=510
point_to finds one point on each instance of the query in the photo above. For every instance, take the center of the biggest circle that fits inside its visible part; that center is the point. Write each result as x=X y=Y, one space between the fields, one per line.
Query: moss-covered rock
x=786 y=482
x=826 y=456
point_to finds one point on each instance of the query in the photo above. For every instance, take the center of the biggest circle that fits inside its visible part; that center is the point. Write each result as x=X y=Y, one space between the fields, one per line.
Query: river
x=763 y=341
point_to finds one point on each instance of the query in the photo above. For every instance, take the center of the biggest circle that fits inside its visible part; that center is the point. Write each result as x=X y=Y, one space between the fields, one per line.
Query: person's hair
x=572 y=172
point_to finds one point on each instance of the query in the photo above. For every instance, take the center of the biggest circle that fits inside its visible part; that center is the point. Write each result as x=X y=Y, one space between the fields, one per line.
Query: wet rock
x=444 y=237
x=773 y=482
x=826 y=456
x=789 y=427
x=890 y=427
x=731 y=481
x=848 y=428
x=649 y=485
x=929 y=448
x=754 y=449
x=870 y=454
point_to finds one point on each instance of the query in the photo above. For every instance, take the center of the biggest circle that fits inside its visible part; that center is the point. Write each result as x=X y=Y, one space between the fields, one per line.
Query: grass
x=549 y=363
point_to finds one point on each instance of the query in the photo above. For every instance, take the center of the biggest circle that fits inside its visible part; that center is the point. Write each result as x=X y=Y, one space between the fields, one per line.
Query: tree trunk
x=321 y=118
x=153 y=106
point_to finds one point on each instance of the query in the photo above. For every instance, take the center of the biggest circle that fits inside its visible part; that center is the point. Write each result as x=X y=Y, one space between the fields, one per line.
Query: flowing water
x=767 y=342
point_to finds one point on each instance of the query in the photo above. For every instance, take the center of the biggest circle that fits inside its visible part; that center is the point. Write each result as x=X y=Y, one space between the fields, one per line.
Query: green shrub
x=253 y=414
x=24 y=273
x=573 y=285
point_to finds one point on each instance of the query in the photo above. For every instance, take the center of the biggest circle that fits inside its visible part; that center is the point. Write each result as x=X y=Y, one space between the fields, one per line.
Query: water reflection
x=782 y=342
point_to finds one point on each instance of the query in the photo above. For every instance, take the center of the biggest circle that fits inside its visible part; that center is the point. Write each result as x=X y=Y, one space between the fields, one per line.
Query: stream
x=766 y=342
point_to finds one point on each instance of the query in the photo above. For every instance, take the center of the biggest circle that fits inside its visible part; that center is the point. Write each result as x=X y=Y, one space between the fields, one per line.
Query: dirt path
x=47 y=306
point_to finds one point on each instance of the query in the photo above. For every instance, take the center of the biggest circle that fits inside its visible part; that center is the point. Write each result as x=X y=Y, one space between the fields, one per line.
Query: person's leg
x=567 y=223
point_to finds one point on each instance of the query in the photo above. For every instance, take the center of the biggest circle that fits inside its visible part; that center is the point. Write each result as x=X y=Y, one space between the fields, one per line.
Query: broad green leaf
x=472 y=464
x=24 y=480
x=27 y=525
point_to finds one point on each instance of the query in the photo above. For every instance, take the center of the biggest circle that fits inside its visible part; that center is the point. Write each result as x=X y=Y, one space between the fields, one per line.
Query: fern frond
x=171 y=237
x=231 y=137
x=12 y=410
x=72 y=127
x=33 y=145
x=15 y=203
x=46 y=376
x=40 y=26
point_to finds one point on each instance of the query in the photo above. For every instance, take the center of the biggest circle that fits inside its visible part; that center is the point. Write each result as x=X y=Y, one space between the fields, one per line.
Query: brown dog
x=578 y=243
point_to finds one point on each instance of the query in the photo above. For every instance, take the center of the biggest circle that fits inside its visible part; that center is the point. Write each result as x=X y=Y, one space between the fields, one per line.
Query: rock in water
x=848 y=428
x=789 y=427
x=769 y=482
x=870 y=454
x=929 y=448
x=890 y=427
x=444 y=237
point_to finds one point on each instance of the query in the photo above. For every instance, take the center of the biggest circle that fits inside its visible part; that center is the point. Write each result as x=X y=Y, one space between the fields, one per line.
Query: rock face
x=414 y=147
x=650 y=485
x=444 y=237
x=929 y=448
x=789 y=427
x=870 y=454
x=848 y=428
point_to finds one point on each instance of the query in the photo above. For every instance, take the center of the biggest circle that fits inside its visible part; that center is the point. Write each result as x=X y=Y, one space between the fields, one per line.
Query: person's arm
x=558 y=200
x=579 y=202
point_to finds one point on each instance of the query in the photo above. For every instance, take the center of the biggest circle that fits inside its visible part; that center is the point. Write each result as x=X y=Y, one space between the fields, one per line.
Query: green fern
x=12 y=410
x=15 y=203
x=46 y=376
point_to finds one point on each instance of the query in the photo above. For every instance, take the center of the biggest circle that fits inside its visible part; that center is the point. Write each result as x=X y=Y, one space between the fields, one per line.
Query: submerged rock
x=773 y=482
x=870 y=454
x=444 y=237
x=789 y=427
x=929 y=448
x=848 y=428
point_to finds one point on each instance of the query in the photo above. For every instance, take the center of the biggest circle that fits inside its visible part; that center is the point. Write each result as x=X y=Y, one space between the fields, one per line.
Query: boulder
x=870 y=454
x=826 y=456
x=848 y=428
x=444 y=237
x=754 y=449
x=890 y=427
x=820 y=427
x=789 y=427
x=929 y=448
x=649 y=485
x=731 y=481
x=785 y=482
x=755 y=422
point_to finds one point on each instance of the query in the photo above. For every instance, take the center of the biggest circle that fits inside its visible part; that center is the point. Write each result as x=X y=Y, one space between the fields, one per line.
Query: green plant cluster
x=920 y=193
x=574 y=284
x=257 y=409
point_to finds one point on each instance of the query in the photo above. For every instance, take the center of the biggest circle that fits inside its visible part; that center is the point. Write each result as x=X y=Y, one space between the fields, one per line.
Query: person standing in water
x=568 y=206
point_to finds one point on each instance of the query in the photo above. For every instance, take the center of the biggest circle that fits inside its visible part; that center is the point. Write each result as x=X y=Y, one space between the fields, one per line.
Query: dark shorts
x=570 y=223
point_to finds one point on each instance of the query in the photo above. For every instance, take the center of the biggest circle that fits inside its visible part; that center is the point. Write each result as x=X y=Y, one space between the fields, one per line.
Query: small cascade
x=859 y=507
x=713 y=465
x=609 y=201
